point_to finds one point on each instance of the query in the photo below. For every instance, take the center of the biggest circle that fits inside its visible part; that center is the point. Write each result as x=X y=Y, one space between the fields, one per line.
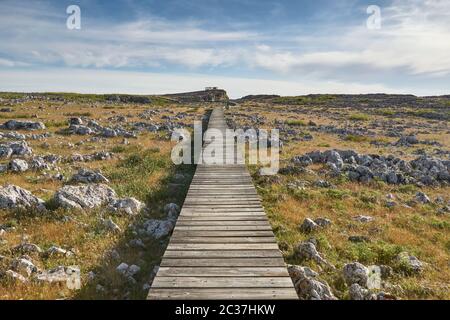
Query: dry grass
x=419 y=230
x=147 y=180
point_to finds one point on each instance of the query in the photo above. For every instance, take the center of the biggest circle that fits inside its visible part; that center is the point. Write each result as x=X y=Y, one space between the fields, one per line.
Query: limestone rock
x=86 y=196
x=18 y=165
x=14 y=197
x=308 y=286
x=22 y=125
x=355 y=273
x=129 y=206
x=89 y=176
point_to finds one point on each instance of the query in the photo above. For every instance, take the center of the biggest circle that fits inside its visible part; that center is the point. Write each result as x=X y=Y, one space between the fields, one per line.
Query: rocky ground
x=87 y=188
x=361 y=205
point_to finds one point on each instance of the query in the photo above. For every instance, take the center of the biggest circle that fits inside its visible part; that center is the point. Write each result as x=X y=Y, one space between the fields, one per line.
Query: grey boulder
x=14 y=197
x=355 y=273
x=308 y=286
x=84 y=197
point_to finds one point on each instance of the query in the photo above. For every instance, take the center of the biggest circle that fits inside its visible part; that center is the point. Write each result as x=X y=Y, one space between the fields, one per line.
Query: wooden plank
x=203 y=233
x=222 y=282
x=228 y=262
x=219 y=246
x=183 y=239
x=221 y=213
x=223 y=228
x=222 y=253
x=220 y=222
x=223 y=293
x=223 y=246
x=242 y=218
x=222 y=272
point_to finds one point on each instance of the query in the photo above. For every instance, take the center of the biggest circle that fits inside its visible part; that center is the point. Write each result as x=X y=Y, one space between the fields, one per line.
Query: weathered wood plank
x=182 y=239
x=202 y=233
x=222 y=253
x=228 y=262
x=222 y=282
x=228 y=222
x=223 y=246
x=222 y=228
x=219 y=246
x=223 y=293
x=222 y=272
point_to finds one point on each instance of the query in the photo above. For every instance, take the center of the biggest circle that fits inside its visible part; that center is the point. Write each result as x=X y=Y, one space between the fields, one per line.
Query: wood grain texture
x=223 y=246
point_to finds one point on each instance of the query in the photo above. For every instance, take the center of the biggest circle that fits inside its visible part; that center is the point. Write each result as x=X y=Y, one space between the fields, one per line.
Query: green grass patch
x=359 y=117
x=337 y=194
x=408 y=188
x=296 y=123
x=356 y=138
x=78 y=114
x=14 y=116
x=310 y=99
x=324 y=145
x=55 y=124
x=131 y=177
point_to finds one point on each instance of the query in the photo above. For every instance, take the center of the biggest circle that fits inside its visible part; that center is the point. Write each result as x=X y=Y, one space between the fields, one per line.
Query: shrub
x=296 y=123
x=78 y=114
x=356 y=138
x=337 y=193
x=359 y=117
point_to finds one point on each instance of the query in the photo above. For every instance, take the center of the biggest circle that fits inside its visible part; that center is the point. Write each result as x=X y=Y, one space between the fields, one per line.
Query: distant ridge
x=208 y=95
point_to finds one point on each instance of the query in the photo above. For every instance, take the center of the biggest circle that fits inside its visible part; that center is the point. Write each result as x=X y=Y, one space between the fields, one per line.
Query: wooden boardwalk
x=222 y=246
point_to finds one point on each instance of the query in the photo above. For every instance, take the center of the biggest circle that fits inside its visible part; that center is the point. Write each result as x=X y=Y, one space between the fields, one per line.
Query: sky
x=290 y=47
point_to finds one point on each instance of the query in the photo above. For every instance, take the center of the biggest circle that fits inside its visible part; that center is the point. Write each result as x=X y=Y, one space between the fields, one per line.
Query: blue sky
x=246 y=46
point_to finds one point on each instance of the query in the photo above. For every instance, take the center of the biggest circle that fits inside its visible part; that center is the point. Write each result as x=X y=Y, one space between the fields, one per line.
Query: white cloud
x=105 y=81
x=415 y=37
x=414 y=41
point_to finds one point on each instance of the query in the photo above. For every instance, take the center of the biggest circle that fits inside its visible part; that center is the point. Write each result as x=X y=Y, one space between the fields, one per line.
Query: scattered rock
x=26 y=248
x=14 y=197
x=355 y=273
x=407 y=141
x=110 y=225
x=356 y=292
x=18 y=165
x=307 y=251
x=412 y=264
x=172 y=210
x=39 y=163
x=89 y=176
x=363 y=219
x=86 y=196
x=22 y=125
x=128 y=271
x=58 y=252
x=308 y=286
x=422 y=198
x=15 y=277
x=59 y=274
x=129 y=206
x=364 y=168
x=158 y=228
x=322 y=222
x=23 y=266
x=19 y=148
x=308 y=226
